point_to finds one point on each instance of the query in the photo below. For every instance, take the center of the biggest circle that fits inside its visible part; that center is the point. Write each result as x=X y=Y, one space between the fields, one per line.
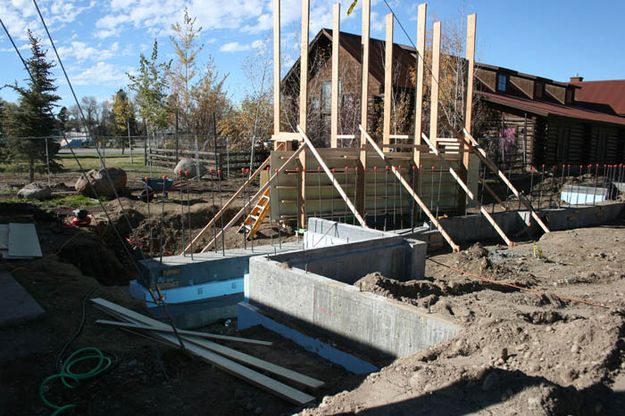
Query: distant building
x=527 y=120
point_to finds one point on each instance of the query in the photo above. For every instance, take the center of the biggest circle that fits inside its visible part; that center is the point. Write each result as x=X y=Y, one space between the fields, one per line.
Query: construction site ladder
x=257 y=215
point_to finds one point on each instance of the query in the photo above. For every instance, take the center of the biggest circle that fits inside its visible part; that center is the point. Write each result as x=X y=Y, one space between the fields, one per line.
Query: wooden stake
x=421 y=22
x=434 y=85
x=412 y=193
x=388 y=81
x=334 y=109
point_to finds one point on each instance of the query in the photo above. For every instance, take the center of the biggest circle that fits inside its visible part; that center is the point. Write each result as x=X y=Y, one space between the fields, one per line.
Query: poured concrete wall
x=321 y=233
x=364 y=319
x=471 y=228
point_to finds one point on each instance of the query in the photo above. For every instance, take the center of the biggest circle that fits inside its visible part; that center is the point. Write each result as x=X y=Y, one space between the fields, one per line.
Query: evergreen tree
x=63 y=117
x=33 y=121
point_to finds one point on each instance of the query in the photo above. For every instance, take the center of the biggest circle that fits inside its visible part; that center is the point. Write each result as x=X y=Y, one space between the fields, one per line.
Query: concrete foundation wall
x=371 y=321
x=322 y=233
x=471 y=228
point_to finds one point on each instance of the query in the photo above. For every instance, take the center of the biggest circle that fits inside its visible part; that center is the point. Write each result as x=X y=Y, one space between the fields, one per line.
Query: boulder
x=96 y=180
x=188 y=165
x=35 y=190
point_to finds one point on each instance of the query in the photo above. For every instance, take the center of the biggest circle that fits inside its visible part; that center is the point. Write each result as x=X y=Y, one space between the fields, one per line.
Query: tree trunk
x=31 y=169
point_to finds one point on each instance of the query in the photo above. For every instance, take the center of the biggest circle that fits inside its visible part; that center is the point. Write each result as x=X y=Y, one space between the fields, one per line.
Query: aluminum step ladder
x=253 y=221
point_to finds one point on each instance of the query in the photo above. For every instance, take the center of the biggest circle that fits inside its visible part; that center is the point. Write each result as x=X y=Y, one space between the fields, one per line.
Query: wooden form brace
x=467 y=191
x=325 y=168
x=455 y=247
x=334 y=109
x=223 y=208
x=475 y=148
x=253 y=198
x=421 y=22
x=388 y=81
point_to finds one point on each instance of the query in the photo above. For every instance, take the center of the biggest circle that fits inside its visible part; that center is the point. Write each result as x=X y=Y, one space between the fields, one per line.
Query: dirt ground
x=544 y=333
x=147 y=377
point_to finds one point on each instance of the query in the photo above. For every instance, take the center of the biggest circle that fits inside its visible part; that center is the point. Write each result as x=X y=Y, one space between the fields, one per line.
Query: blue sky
x=100 y=41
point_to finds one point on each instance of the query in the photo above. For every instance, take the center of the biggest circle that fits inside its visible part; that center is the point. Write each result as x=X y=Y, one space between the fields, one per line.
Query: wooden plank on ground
x=23 y=241
x=135 y=317
x=182 y=332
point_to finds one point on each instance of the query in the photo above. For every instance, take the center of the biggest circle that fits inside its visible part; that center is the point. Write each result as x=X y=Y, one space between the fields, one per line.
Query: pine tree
x=33 y=121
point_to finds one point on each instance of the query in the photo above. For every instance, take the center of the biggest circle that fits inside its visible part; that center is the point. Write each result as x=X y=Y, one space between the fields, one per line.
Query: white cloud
x=82 y=52
x=101 y=73
x=240 y=47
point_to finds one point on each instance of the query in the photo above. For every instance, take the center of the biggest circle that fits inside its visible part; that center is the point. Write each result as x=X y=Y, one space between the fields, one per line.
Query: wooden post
x=421 y=22
x=364 y=106
x=334 y=109
x=436 y=56
x=303 y=110
x=468 y=117
x=276 y=67
x=388 y=81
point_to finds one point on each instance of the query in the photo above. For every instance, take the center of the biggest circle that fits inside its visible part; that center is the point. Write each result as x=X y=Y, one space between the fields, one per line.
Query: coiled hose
x=71 y=378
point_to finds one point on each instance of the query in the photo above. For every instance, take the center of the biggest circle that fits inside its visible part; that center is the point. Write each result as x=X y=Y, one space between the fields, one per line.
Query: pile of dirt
x=553 y=346
x=93 y=258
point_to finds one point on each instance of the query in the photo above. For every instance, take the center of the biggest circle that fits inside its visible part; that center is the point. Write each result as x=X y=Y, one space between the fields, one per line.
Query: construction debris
x=210 y=352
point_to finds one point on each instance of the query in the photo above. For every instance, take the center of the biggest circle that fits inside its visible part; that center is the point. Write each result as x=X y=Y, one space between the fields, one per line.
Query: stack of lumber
x=225 y=358
x=19 y=241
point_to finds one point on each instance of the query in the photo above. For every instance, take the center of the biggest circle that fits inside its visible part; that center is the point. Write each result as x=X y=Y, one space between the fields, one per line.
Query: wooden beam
x=468 y=115
x=334 y=109
x=260 y=380
x=412 y=193
x=254 y=198
x=332 y=178
x=467 y=191
x=364 y=105
x=421 y=22
x=303 y=112
x=434 y=85
x=276 y=67
x=388 y=81
x=226 y=205
x=169 y=330
x=303 y=61
x=475 y=148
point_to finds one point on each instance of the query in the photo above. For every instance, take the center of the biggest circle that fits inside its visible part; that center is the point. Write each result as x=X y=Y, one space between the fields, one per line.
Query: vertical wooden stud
x=436 y=56
x=303 y=60
x=303 y=110
x=388 y=81
x=470 y=56
x=421 y=22
x=276 y=67
x=364 y=106
x=334 y=113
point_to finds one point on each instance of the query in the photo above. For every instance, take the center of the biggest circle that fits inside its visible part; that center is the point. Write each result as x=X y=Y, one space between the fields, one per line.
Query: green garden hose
x=71 y=379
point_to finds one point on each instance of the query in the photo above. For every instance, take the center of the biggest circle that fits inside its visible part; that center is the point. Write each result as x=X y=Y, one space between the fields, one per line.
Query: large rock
x=35 y=190
x=97 y=181
x=188 y=165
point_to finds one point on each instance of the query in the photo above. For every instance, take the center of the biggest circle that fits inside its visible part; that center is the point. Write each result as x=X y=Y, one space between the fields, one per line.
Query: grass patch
x=72 y=201
x=92 y=161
